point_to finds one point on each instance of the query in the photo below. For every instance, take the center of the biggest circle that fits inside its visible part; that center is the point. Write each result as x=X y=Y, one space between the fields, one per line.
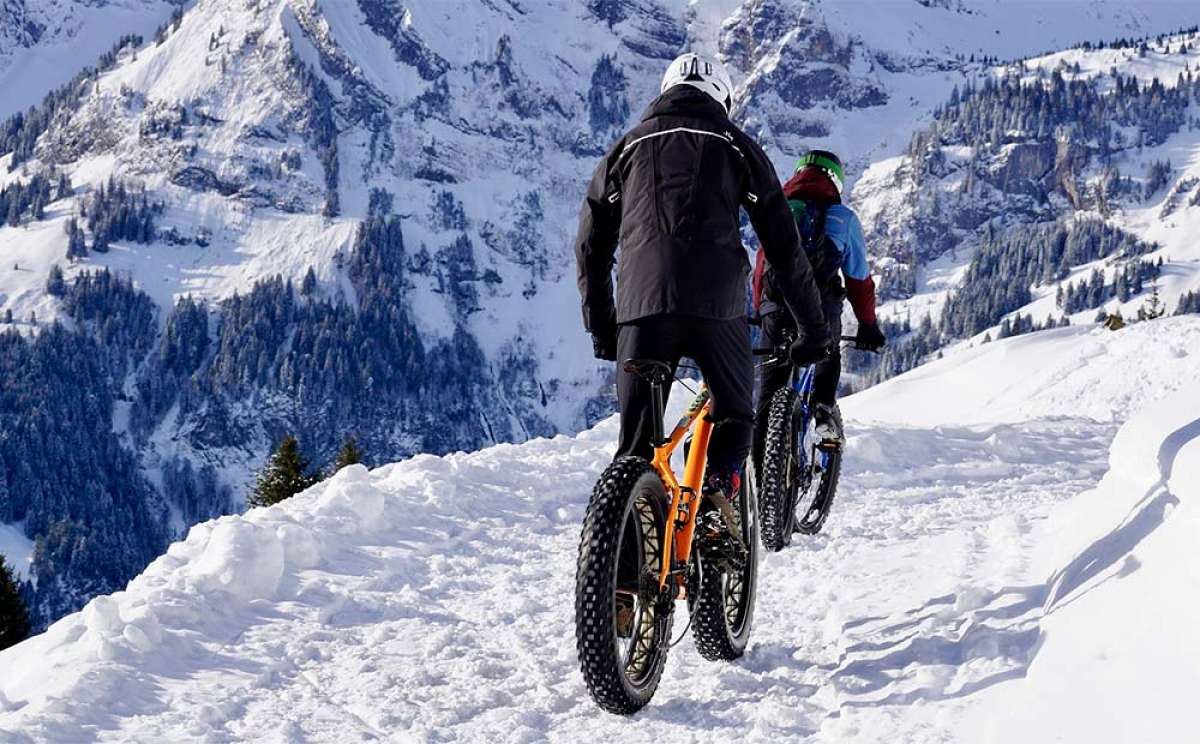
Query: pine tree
x=285 y=475
x=14 y=619
x=1188 y=303
x=1153 y=308
x=309 y=285
x=55 y=284
x=349 y=454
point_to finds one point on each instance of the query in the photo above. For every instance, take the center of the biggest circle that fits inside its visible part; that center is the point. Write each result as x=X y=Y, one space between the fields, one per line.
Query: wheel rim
x=817 y=507
x=639 y=554
x=808 y=476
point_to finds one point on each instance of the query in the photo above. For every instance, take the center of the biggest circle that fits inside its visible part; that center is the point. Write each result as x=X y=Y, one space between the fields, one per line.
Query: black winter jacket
x=669 y=192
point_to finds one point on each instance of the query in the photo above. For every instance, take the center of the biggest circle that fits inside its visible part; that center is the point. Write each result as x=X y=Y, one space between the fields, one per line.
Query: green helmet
x=828 y=163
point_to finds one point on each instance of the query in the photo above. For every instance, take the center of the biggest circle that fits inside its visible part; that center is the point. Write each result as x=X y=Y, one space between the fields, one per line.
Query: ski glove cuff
x=604 y=346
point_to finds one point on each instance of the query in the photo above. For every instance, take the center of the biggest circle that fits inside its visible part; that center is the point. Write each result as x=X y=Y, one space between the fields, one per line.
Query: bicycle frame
x=803 y=379
x=685 y=495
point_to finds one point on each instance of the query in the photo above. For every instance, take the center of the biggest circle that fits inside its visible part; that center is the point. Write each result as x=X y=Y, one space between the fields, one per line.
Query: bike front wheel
x=622 y=619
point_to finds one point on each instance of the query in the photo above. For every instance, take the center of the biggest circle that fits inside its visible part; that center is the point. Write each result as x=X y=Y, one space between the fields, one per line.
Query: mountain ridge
x=417 y=161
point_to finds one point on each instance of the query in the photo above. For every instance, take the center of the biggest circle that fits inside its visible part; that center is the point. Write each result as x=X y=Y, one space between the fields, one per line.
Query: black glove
x=604 y=346
x=870 y=337
x=813 y=347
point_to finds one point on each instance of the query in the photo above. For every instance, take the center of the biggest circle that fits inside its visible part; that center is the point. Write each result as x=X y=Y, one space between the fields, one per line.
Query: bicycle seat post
x=657 y=400
x=657 y=374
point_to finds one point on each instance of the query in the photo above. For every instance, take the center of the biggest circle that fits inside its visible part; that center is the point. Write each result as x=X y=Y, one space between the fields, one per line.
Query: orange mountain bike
x=650 y=539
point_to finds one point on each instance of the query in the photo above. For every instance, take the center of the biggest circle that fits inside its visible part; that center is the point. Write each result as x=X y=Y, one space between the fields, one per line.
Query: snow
x=76 y=33
x=1121 y=608
x=1164 y=62
x=1076 y=371
x=979 y=560
x=993 y=548
x=27 y=254
x=1008 y=30
x=16 y=548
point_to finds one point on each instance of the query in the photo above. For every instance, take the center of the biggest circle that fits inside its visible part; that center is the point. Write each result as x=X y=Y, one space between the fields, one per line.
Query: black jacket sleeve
x=596 y=245
x=772 y=220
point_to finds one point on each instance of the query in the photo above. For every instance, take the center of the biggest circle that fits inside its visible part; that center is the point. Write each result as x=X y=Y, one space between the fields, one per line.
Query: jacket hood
x=810 y=184
x=684 y=100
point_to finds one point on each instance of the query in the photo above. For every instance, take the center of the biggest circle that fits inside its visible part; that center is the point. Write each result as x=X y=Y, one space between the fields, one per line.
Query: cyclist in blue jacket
x=833 y=241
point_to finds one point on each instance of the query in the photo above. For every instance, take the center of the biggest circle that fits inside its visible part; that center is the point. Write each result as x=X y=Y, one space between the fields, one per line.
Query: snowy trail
x=967 y=571
x=460 y=624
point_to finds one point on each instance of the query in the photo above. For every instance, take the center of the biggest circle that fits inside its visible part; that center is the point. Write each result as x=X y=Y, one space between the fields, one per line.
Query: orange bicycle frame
x=685 y=496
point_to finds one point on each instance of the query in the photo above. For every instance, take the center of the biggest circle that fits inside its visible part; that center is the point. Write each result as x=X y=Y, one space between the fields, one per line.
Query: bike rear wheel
x=723 y=607
x=779 y=476
x=622 y=619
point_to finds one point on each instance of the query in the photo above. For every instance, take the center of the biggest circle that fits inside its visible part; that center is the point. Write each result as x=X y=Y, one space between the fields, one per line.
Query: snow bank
x=1080 y=371
x=1123 y=599
x=184 y=615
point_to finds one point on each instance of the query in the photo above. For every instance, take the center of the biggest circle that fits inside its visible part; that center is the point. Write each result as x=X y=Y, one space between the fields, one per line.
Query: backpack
x=822 y=254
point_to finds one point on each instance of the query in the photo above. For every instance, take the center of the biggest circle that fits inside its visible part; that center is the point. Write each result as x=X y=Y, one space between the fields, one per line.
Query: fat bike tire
x=622 y=632
x=779 y=475
x=723 y=608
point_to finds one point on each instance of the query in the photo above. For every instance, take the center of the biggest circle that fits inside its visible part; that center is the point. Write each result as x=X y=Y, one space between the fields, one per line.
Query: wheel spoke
x=638 y=655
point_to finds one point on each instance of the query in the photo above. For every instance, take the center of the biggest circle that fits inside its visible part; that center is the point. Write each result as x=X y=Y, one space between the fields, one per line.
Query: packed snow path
x=445 y=610
x=432 y=600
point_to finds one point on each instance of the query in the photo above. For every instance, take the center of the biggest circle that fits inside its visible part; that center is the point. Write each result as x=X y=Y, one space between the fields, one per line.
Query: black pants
x=721 y=348
x=775 y=325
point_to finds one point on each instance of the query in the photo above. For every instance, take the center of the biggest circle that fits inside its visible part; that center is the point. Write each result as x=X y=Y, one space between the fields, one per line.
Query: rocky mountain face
x=336 y=219
x=43 y=43
x=1038 y=180
x=17 y=29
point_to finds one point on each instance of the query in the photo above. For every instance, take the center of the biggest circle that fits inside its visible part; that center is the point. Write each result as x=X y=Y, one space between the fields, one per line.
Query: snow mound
x=235 y=572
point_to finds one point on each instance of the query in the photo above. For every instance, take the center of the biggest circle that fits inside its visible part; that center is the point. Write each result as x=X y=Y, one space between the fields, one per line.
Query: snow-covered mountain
x=1044 y=192
x=43 y=43
x=1014 y=531
x=354 y=218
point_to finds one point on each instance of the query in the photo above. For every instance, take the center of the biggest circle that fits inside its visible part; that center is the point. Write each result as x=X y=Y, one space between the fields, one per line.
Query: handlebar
x=781 y=351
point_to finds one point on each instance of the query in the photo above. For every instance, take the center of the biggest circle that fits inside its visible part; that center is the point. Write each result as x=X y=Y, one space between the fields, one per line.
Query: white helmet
x=700 y=72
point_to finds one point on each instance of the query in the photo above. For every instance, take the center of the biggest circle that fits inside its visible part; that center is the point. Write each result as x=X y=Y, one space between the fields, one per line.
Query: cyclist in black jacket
x=669 y=192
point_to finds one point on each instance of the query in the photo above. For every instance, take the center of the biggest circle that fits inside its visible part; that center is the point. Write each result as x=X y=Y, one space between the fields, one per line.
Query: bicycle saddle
x=650 y=370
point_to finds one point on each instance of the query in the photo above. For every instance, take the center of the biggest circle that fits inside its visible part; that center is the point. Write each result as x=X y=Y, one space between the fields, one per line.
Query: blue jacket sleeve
x=844 y=229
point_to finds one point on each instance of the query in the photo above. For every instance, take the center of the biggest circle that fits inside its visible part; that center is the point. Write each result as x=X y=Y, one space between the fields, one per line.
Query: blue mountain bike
x=798 y=474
